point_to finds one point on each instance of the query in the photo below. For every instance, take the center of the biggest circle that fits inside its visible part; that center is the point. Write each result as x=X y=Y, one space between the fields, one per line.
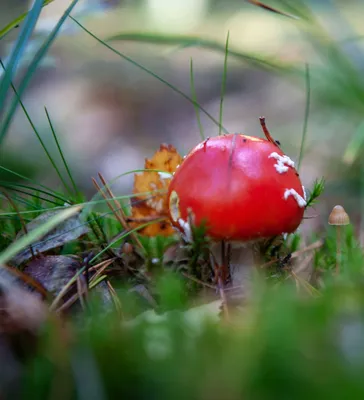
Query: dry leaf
x=66 y=232
x=154 y=205
x=53 y=272
x=19 y=309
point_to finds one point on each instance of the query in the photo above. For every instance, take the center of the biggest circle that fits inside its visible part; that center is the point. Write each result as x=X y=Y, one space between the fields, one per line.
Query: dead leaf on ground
x=154 y=205
x=68 y=231
x=20 y=310
x=52 y=272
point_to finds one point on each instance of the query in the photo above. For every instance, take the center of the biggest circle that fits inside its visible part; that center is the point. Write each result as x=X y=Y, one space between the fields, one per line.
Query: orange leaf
x=146 y=207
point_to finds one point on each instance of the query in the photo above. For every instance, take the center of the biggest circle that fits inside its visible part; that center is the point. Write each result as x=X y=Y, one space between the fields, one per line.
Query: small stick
x=271 y=9
x=144 y=219
x=266 y=131
x=295 y=254
x=115 y=299
x=81 y=290
x=117 y=216
x=119 y=211
x=192 y=278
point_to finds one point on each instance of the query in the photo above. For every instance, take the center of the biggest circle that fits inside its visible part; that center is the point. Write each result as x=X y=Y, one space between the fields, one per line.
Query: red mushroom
x=244 y=188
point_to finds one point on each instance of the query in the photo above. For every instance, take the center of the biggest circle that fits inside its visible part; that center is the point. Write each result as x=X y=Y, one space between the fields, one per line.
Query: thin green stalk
x=307 y=114
x=61 y=152
x=194 y=97
x=148 y=71
x=16 y=22
x=19 y=49
x=122 y=237
x=32 y=68
x=31 y=195
x=87 y=203
x=65 y=288
x=194 y=41
x=51 y=192
x=38 y=136
x=21 y=200
x=223 y=84
x=12 y=185
x=43 y=145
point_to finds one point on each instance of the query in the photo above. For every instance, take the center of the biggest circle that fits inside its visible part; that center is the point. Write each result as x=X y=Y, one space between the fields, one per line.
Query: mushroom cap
x=338 y=216
x=242 y=187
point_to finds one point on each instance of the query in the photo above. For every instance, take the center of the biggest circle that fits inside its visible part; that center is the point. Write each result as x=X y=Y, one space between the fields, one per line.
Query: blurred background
x=109 y=115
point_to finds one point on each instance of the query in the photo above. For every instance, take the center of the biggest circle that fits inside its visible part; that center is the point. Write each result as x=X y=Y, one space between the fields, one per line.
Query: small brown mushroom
x=338 y=217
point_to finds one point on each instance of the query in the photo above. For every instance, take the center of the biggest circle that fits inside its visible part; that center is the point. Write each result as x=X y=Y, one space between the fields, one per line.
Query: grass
x=129 y=320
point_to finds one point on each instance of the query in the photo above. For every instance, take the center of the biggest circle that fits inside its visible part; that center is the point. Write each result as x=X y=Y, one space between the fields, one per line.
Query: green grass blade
x=223 y=84
x=32 y=68
x=355 y=146
x=148 y=71
x=36 y=234
x=194 y=97
x=32 y=195
x=16 y=22
x=25 y=178
x=61 y=152
x=194 y=41
x=41 y=141
x=122 y=237
x=20 y=200
x=18 y=50
x=11 y=185
x=84 y=204
x=307 y=114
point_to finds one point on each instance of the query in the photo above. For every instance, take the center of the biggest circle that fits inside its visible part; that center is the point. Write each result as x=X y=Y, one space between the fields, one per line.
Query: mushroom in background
x=245 y=189
x=338 y=218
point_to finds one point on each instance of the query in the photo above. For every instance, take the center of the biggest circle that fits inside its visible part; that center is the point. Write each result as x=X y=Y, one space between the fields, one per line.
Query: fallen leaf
x=67 y=231
x=149 y=207
x=52 y=272
x=20 y=310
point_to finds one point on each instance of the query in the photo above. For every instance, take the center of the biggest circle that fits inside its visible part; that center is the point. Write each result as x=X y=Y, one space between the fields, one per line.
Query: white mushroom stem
x=241 y=264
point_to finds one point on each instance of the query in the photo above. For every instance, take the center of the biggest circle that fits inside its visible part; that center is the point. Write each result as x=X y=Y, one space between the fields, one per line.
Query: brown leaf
x=52 y=272
x=154 y=205
x=20 y=310
x=69 y=230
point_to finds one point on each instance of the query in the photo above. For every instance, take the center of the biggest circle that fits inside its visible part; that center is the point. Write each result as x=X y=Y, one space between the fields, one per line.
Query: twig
x=115 y=299
x=100 y=265
x=295 y=254
x=304 y=264
x=192 y=278
x=118 y=212
x=65 y=289
x=271 y=9
x=266 y=131
x=144 y=219
x=79 y=293
x=100 y=271
x=81 y=289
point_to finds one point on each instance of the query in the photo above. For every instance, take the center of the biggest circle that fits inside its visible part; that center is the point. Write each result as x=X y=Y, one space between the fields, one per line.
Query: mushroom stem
x=238 y=259
x=338 y=217
x=338 y=249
